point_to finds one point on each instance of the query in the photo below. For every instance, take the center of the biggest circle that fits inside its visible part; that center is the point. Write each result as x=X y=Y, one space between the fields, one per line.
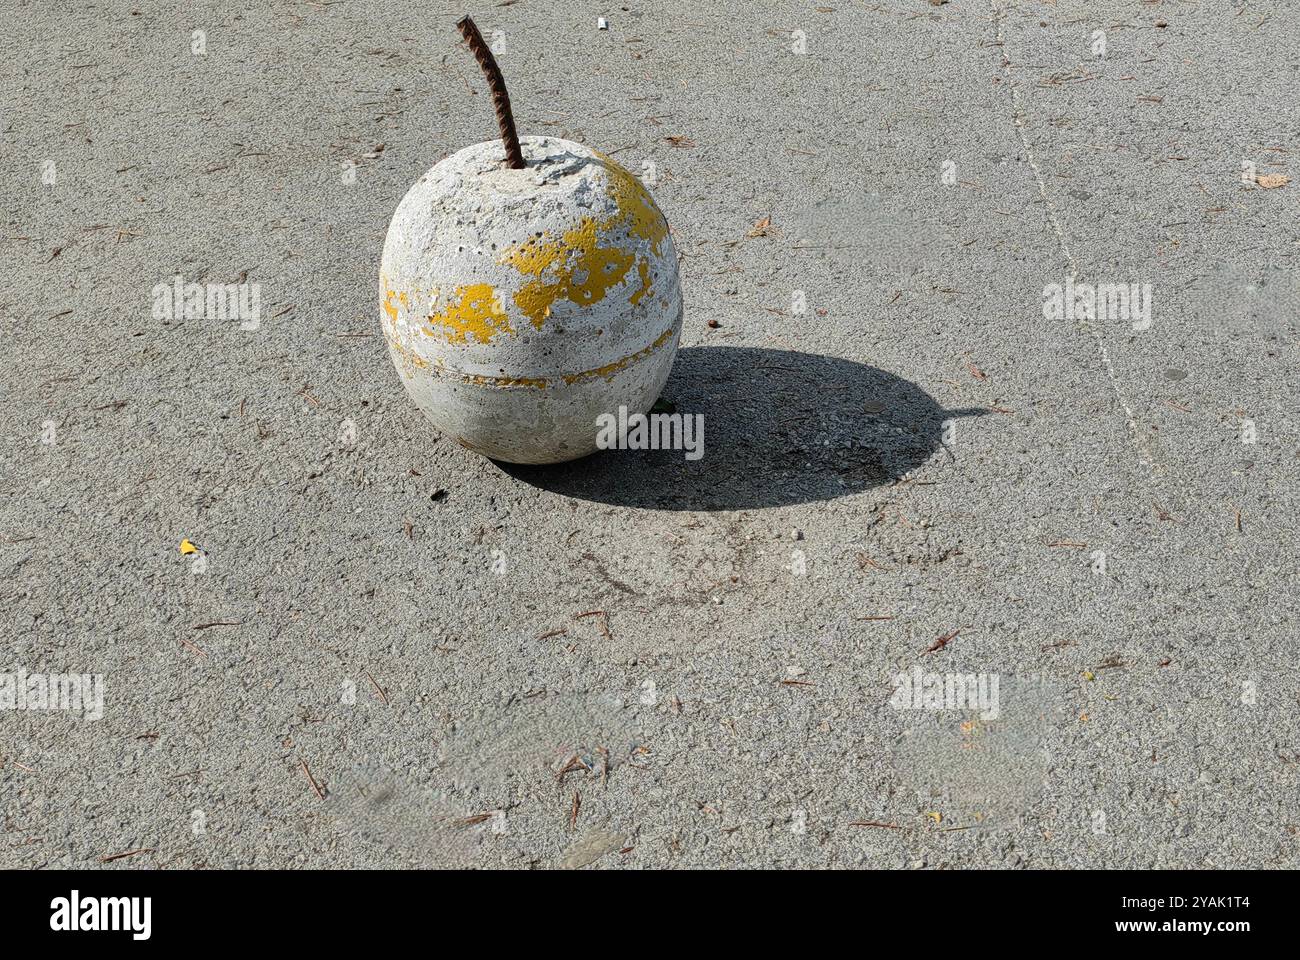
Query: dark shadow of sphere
x=780 y=428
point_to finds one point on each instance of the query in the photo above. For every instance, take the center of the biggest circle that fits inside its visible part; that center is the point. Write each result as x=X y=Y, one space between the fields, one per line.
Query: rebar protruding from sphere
x=497 y=84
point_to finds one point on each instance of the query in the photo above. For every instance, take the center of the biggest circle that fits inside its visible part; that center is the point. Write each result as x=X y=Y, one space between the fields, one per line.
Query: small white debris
x=602 y=23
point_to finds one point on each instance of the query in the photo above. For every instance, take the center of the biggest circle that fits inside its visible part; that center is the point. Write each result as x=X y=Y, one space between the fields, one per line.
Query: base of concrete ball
x=520 y=305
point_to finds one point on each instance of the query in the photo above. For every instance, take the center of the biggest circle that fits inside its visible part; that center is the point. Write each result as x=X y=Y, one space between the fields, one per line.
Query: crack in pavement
x=1019 y=114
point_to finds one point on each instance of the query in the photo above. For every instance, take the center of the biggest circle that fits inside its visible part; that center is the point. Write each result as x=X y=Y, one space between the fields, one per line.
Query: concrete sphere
x=519 y=305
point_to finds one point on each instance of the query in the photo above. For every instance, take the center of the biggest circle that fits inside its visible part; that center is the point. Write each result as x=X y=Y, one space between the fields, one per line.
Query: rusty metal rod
x=497 y=84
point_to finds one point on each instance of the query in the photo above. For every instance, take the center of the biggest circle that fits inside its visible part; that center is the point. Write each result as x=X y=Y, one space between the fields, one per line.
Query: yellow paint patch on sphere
x=642 y=269
x=636 y=208
x=533 y=255
x=476 y=312
x=576 y=268
x=390 y=307
x=584 y=264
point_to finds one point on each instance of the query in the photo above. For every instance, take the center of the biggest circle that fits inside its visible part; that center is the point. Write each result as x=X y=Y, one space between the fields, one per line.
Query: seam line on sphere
x=541 y=383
